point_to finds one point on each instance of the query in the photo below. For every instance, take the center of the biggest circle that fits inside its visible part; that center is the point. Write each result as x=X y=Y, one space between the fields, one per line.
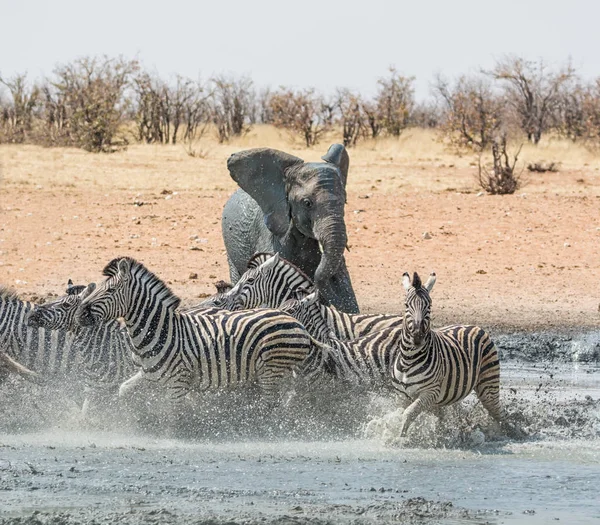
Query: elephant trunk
x=330 y=232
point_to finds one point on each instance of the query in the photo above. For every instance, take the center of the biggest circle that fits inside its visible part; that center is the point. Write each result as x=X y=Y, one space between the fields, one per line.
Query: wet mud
x=320 y=457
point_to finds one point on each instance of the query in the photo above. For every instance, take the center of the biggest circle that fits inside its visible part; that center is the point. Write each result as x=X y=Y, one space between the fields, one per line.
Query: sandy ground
x=530 y=260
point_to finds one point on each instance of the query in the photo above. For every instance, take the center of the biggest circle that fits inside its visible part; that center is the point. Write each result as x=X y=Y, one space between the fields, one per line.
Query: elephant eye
x=307 y=203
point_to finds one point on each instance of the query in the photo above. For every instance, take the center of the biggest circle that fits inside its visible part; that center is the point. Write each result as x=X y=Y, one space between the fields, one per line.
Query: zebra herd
x=268 y=330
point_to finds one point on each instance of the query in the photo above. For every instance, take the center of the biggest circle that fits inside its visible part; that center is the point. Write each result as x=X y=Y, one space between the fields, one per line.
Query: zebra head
x=60 y=314
x=130 y=290
x=417 y=315
x=110 y=299
x=307 y=310
x=269 y=281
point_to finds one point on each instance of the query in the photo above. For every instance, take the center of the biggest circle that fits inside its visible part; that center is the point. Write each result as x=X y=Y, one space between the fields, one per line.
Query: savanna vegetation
x=103 y=104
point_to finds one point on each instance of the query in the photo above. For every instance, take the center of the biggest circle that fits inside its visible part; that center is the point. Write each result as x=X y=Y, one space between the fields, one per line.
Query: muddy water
x=314 y=463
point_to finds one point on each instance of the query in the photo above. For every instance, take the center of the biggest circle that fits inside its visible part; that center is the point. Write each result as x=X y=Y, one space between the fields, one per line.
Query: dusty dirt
x=529 y=260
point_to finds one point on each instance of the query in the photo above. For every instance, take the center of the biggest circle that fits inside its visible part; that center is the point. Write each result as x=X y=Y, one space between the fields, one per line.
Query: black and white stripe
x=50 y=353
x=185 y=350
x=105 y=349
x=366 y=360
x=435 y=368
x=271 y=280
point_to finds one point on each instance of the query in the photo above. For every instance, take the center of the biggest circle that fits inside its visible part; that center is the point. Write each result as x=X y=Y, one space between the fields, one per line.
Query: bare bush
x=501 y=179
x=301 y=112
x=232 y=106
x=352 y=117
x=395 y=101
x=533 y=91
x=86 y=102
x=17 y=114
x=472 y=111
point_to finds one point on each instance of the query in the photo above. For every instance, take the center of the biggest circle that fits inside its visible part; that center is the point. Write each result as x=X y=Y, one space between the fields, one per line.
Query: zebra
x=49 y=353
x=105 y=349
x=185 y=351
x=435 y=368
x=366 y=360
x=271 y=280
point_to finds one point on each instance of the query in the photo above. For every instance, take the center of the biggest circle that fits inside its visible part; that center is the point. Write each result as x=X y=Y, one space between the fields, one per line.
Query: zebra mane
x=263 y=256
x=416 y=281
x=112 y=268
x=8 y=294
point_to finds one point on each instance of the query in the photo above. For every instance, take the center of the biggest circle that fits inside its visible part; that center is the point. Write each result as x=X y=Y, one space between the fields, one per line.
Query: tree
x=473 y=112
x=394 y=102
x=303 y=112
x=532 y=90
x=232 y=106
x=16 y=116
x=352 y=117
x=90 y=95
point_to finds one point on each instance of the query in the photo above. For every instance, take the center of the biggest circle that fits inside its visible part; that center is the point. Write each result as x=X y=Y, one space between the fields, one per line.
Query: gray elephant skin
x=295 y=208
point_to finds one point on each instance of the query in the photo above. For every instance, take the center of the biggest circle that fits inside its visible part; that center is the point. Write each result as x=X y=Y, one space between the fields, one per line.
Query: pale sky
x=322 y=44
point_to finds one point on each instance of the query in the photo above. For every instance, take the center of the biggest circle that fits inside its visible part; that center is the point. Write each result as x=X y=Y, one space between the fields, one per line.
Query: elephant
x=296 y=209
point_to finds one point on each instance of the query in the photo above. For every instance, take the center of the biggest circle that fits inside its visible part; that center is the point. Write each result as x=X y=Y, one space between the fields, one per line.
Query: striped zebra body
x=50 y=353
x=366 y=360
x=271 y=280
x=193 y=350
x=105 y=350
x=436 y=368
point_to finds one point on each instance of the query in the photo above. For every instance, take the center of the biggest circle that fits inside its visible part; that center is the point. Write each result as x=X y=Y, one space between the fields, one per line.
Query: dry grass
x=417 y=161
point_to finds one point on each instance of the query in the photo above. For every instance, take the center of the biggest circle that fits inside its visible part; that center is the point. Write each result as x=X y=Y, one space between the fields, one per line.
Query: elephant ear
x=261 y=173
x=338 y=156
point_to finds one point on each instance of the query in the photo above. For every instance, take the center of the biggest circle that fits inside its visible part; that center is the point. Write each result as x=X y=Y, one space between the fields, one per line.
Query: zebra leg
x=488 y=393
x=423 y=402
x=129 y=385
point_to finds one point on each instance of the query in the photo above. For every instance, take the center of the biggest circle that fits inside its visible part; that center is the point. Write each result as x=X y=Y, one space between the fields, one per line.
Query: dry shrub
x=301 y=112
x=501 y=179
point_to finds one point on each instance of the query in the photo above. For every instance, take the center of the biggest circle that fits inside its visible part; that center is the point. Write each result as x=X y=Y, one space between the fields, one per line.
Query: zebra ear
x=430 y=282
x=88 y=290
x=406 y=281
x=124 y=268
x=271 y=261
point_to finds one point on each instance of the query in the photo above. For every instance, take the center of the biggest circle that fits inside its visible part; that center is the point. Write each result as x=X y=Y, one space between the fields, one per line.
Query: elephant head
x=305 y=197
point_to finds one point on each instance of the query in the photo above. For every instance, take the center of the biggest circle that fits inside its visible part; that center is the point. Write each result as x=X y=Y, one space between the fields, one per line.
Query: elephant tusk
x=321 y=248
x=347 y=247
